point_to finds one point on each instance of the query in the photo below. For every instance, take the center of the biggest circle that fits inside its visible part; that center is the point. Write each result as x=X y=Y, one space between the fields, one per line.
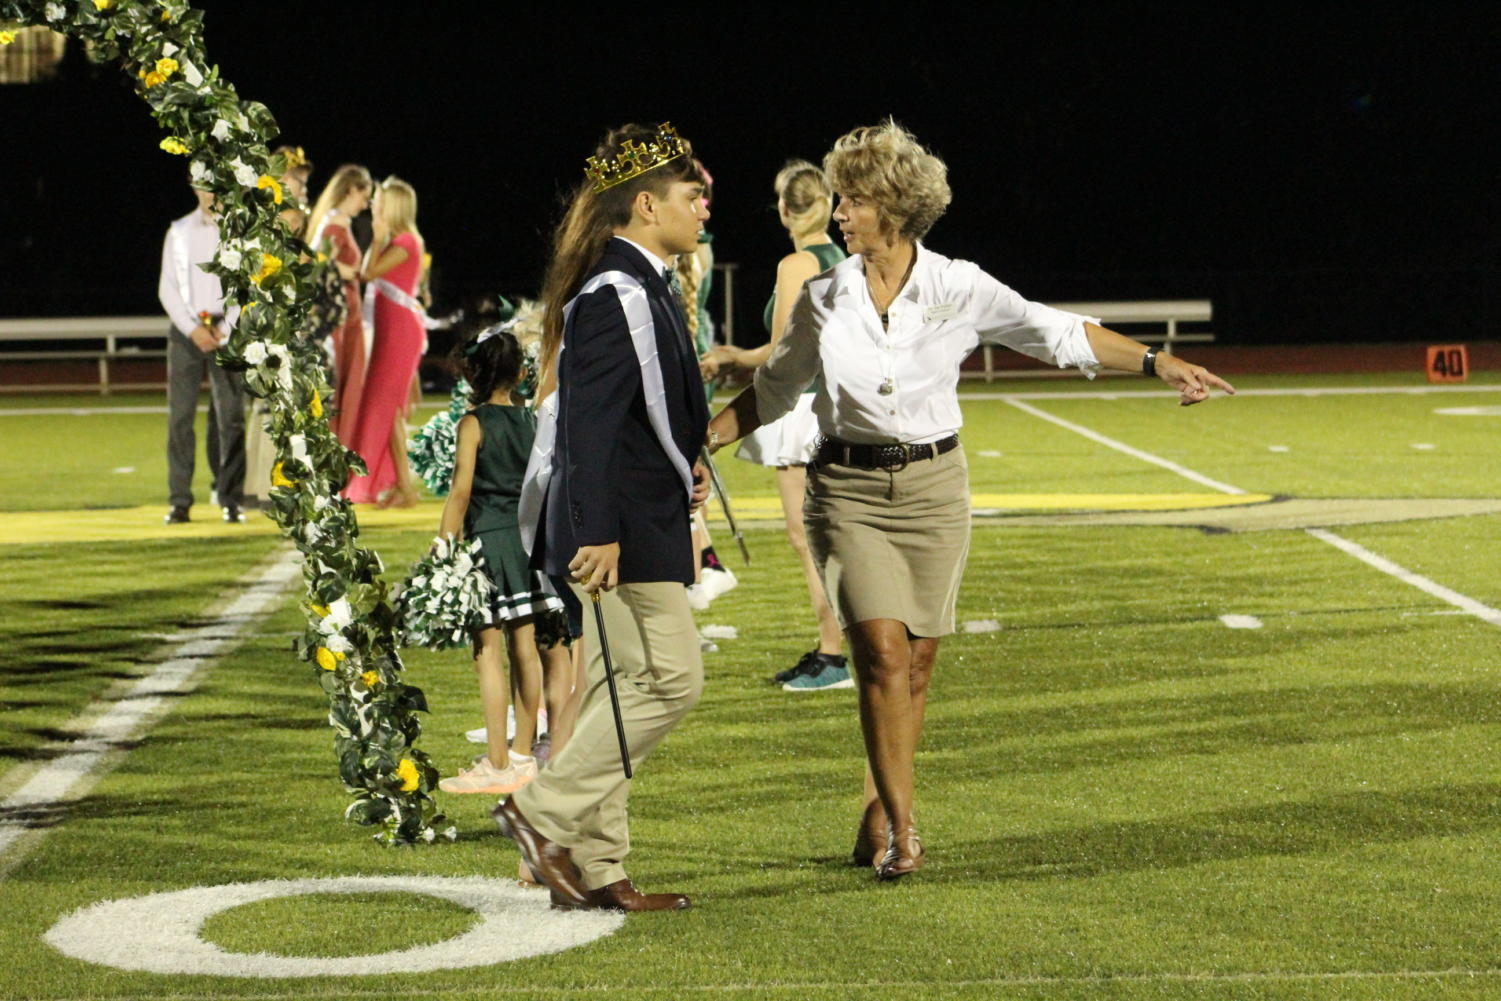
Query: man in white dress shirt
x=194 y=302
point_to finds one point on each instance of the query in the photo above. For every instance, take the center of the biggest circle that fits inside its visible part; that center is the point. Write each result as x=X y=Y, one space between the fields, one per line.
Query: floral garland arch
x=350 y=640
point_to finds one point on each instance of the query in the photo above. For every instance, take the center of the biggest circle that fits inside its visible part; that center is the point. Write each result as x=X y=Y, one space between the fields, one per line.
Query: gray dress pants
x=186 y=367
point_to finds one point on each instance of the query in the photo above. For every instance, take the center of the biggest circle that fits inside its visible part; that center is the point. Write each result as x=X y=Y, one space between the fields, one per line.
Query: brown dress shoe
x=904 y=855
x=623 y=896
x=871 y=836
x=549 y=861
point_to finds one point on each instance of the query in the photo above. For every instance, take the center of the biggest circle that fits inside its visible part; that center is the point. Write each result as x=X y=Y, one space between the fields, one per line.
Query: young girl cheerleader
x=494 y=442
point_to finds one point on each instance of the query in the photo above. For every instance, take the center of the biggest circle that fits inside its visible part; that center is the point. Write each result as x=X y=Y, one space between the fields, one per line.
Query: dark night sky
x=1321 y=176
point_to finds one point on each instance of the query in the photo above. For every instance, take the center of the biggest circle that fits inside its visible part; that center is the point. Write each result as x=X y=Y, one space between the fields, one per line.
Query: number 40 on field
x=1448 y=363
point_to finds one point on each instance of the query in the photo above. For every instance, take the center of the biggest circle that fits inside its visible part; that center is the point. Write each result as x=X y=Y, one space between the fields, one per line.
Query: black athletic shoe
x=233 y=515
x=177 y=516
x=807 y=664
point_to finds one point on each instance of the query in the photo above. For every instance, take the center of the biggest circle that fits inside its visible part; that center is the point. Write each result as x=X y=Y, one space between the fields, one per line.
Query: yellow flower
x=166 y=16
x=166 y=67
x=280 y=480
x=103 y=4
x=172 y=144
x=270 y=265
x=154 y=79
x=327 y=659
x=6 y=37
x=316 y=406
x=267 y=181
x=407 y=772
x=370 y=678
x=322 y=610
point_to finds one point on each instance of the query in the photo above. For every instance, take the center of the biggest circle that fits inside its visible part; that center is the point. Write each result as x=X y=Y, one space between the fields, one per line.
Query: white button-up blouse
x=883 y=386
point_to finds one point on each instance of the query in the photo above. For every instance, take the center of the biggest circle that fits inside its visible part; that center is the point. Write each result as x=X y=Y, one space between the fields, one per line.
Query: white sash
x=538 y=472
x=644 y=340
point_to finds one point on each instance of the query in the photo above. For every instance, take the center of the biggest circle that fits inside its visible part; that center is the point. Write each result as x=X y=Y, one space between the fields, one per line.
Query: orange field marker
x=1448 y=363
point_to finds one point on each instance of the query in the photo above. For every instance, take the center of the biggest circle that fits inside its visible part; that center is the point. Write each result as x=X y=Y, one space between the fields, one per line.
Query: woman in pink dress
x=393 y=266
x=346 y=196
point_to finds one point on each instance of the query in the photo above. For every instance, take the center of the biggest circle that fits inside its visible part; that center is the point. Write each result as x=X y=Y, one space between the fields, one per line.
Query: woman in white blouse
x=887 y=507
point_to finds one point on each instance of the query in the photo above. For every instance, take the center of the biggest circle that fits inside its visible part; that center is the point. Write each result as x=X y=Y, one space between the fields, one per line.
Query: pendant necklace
x=888 y=385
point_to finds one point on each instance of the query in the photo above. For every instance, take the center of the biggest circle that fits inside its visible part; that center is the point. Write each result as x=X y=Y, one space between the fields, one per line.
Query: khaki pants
x=579 y=800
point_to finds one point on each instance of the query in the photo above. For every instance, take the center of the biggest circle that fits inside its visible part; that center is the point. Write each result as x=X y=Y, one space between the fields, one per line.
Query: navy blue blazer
x=612 y=481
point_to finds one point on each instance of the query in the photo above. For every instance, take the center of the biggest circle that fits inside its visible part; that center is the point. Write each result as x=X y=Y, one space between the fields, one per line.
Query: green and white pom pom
x=432 y=448
x=445 y=596
x=458 y=400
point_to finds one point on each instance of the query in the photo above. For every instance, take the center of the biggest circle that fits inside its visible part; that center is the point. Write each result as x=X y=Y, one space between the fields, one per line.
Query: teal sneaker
x=832 y=672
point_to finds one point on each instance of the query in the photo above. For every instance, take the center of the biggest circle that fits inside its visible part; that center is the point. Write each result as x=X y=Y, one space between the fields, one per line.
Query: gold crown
x=635 y=158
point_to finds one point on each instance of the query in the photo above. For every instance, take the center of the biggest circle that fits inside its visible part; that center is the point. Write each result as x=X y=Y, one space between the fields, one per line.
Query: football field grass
x=1223 y=720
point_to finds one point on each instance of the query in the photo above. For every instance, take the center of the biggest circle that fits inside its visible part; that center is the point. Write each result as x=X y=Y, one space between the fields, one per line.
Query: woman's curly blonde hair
x=885 y=165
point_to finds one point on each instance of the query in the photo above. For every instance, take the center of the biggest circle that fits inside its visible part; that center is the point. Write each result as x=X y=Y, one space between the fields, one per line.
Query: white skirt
x=787 y=441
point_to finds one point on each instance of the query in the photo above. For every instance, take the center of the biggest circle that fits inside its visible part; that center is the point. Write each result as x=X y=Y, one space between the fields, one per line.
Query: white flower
x=320 y=503
x=255 y=351
x=170 y=50
x=243 y=173
x=191 y=75
x=220 y=131
x=338 y=644
x=339 y=613
x=198 y=170
x=230 y=259
x=298 y=444
x=311 y=532
x=56 y=12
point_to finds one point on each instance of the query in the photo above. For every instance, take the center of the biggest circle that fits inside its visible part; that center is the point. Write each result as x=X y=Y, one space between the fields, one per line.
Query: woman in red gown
x=393 y=266
x=346 y=196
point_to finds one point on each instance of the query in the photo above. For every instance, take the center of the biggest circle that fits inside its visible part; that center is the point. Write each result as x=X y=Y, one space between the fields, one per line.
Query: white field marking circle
x=165 y=928
x=1469 y=411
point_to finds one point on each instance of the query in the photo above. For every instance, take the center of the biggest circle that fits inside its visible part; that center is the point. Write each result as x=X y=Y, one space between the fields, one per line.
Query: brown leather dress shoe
x=549 y=861
x=904 y=855
x=623 y=896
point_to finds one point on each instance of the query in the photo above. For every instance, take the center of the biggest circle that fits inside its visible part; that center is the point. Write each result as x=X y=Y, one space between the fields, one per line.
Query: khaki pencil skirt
x=891 y=544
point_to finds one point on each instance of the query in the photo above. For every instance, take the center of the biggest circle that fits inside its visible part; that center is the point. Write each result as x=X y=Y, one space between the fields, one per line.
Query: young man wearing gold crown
x=613 y=478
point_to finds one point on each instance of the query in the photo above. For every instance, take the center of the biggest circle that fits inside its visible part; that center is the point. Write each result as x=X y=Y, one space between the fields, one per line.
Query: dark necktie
x=671 y=278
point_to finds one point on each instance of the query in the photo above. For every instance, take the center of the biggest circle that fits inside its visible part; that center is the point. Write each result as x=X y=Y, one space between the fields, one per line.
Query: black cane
x=724 y=502
x=604 y=648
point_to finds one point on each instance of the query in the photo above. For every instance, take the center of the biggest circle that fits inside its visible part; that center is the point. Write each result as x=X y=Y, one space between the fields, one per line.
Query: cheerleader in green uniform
x=494 y=442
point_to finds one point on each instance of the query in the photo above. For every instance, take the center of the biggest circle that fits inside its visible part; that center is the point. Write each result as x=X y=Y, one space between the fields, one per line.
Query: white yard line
x=1464 y=603
x=106 y=411
x=1122 y=394
x=80 y=763
x=824 y=988
x=1119 y=446
x=1101 y=394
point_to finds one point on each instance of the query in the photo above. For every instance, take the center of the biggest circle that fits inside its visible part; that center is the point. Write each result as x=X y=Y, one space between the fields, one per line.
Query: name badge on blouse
x=942 y=311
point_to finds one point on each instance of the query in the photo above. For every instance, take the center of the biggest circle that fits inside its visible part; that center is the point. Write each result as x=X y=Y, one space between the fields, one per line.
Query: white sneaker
x=483 y=777
x=713 y=582
x=480 y=736
x=525 y=767
x=696 y=599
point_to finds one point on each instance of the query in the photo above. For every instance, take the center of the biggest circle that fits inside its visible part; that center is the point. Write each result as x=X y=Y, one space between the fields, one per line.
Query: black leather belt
x=833 y=452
